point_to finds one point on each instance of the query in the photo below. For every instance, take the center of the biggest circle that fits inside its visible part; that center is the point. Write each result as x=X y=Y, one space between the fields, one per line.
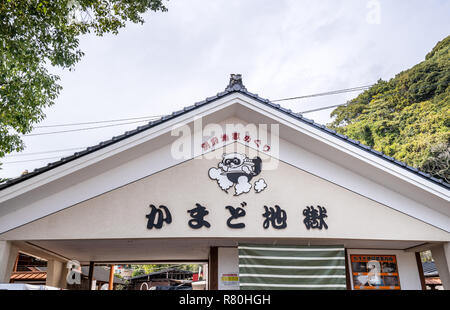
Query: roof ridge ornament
x=235 y=83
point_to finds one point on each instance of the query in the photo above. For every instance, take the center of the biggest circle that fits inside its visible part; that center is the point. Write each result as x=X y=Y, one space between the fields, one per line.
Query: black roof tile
x=429 y=269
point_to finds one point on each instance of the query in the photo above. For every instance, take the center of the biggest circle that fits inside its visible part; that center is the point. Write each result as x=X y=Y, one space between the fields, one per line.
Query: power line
x=72 y=149
x=145 y=118
x=81 y=129
x=322 y=108
x=46 y=152
x=99 y=122
x=342 y=104
x=332 y=92
x=29 y=160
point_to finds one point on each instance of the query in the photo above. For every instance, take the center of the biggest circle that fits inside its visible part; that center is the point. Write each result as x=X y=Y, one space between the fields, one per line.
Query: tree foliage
x=146 y=268
x=407 y=117
x=36 y=34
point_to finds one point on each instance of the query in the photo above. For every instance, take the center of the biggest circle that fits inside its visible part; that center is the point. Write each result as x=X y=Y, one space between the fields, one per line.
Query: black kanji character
x=198 y=214
x=277 y=217
x=315 y=218
x=157 y=217
x=236 y=213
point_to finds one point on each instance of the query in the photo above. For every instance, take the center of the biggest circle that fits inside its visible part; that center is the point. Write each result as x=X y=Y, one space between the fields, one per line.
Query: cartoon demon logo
x=238 y=170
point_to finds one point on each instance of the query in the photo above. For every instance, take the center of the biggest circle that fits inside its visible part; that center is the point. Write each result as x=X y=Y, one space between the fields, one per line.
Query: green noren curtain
x=291 y=267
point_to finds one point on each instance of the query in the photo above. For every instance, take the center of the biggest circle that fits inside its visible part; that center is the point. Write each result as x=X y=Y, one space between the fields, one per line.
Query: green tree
x=407 y=117
x=37 y=34
x=426 y=256
x=147 y=268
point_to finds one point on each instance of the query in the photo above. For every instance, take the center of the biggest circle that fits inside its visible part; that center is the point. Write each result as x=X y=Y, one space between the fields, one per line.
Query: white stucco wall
x=228 y=264
x=181 y=187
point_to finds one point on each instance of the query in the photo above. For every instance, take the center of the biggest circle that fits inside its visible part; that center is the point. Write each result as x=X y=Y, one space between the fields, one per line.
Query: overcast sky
x=282 y=48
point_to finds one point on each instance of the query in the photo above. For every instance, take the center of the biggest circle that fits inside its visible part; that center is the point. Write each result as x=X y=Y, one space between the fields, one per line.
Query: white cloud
x=222 y=180
x=242 y=185
x=260 y=185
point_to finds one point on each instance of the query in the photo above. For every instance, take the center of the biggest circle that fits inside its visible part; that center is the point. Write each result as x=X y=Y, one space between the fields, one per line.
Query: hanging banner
x=291 y=267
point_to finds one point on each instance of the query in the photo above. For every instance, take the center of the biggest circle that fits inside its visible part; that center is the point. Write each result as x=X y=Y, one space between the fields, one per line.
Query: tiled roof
x=234 y=86
x=429 y=269
x=163 y=272
x=433 y=281
x=28 y=275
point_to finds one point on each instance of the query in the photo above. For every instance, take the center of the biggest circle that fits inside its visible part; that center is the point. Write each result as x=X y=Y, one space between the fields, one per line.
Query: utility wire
x=81 y=129
x=352 y=101
x=46 y=152
x=28 y=160
x=71 y=149
x=322 y=108
x=145 y=118
x=333 y=92
x=99 y=122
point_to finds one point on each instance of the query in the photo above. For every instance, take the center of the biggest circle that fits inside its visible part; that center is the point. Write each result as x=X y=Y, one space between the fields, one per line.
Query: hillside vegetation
x=407 y=117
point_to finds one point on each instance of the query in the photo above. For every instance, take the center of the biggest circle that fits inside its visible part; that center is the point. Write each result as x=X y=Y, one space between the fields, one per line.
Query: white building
x=196 y=185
